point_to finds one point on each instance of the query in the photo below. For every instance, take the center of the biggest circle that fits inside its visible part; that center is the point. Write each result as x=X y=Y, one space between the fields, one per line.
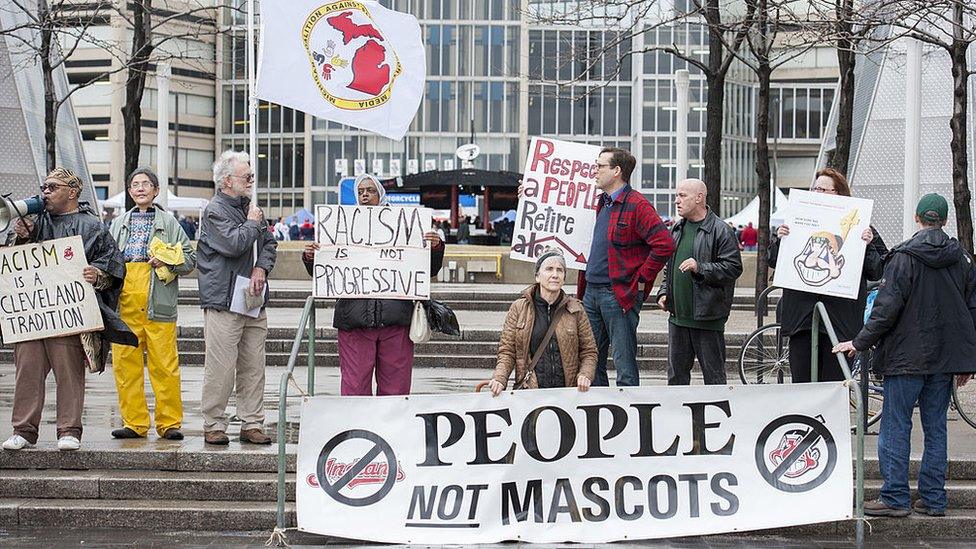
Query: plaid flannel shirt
x=639 y=247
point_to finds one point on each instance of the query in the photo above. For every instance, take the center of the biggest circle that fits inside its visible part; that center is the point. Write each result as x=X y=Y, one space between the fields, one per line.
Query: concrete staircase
x=474 y=349
x=475 y=299
x=171 y=487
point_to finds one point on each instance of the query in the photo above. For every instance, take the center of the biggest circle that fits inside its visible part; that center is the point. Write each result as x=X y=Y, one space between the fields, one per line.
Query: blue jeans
x=612 y=327
x=932 y=393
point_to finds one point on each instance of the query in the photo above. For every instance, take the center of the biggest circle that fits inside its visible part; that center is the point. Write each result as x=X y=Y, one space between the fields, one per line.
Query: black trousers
x=685 y=344
x=829 y=367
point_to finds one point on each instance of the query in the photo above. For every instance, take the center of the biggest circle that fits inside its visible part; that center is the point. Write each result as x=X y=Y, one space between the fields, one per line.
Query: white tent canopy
x=176 y=203
x=750 y=214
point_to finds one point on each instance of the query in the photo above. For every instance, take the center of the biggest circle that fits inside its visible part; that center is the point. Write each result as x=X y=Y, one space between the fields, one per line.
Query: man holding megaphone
x=63 y=216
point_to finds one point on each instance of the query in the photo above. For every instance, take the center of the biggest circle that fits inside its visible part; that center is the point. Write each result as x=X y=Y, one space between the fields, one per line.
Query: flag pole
x=252 y=102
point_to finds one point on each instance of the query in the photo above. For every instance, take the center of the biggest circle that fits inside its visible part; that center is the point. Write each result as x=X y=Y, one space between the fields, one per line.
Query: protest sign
x=558 y=205
x=557 y=465
x=372 y=252
x=43 y=292
x=824 y=252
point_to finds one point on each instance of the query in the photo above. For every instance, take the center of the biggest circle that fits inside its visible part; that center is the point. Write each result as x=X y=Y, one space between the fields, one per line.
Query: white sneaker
x=68 y=443
x=16 y=442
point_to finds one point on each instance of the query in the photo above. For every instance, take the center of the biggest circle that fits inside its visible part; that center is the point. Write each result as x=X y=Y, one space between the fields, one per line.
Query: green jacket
x=163 y=298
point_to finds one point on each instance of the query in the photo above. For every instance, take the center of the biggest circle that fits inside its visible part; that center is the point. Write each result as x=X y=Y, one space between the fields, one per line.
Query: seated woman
x=547 y=337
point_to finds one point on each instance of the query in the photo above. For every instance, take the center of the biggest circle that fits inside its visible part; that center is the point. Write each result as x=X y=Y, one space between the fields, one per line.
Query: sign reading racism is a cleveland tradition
x=556 y=465
x=372 y=252
x=43 y=292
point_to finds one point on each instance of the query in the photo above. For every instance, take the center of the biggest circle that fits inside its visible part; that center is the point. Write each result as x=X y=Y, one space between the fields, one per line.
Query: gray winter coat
x=225 y=249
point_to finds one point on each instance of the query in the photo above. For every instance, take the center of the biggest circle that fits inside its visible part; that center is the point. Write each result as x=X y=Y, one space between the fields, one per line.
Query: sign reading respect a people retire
x=557 y=465
x=372 y=252
x=558 y=206
x=43 y=292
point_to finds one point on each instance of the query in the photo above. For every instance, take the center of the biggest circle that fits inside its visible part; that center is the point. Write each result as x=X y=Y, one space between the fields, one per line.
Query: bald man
x=699 y=282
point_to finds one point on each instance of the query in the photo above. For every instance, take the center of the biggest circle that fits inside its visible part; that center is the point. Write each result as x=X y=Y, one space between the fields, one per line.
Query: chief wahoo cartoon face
x=820 y=261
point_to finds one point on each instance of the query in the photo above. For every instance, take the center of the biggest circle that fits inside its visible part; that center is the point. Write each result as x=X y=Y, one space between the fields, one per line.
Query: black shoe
x=881 y=509
x=920 y=508
x=173 y=434
x=126 y=432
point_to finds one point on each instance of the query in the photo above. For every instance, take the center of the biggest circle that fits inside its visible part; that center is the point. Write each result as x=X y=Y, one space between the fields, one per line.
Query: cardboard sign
x=824 y=252
x=43 y=292
x=559 y=202
x=376 y=252
x=557 y=465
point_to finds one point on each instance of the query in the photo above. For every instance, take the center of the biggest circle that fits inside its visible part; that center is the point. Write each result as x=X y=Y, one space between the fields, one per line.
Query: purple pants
x=386 y=350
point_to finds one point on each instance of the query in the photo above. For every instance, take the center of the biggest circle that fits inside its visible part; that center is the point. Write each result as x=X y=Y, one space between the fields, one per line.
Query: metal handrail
x=820 y=313
x=762 y=304
x=306 y=328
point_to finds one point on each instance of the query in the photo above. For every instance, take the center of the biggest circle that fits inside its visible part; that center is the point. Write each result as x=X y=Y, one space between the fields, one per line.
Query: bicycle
x=765 y=359
x=964 y=401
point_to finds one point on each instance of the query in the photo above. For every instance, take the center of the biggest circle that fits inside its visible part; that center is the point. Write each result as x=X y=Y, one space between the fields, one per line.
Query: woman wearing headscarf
x=157 y=252
x=374 y=334
x=847 y=315
x=547 y=337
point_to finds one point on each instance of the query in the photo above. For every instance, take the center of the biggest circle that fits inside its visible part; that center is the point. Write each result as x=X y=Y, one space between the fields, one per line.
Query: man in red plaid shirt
x=630 y=246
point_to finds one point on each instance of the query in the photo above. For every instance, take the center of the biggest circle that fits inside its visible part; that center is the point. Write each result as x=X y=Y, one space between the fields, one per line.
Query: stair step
x=143 y=485
x=961 y=493
x=159 y=514
x=151 y=457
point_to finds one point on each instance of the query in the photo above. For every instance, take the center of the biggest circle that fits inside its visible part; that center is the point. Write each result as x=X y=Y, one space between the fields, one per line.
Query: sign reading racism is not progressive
x=43 y=292
x=558 y=206
x=556 y=465
x=372 y=252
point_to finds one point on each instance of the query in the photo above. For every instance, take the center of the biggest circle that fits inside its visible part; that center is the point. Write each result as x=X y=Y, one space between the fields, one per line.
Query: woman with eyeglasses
x=374 y=334
x=157 y=252
x=795 y=308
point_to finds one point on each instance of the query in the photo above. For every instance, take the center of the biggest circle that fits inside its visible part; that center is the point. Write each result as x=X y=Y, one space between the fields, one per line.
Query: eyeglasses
x=367 y=190
x=141 y=185
x=599 y=165
x=52 y=186
x=824 y=190
x=248 y=177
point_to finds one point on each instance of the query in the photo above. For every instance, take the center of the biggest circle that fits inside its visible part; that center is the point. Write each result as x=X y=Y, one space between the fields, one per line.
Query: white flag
x=353 y=62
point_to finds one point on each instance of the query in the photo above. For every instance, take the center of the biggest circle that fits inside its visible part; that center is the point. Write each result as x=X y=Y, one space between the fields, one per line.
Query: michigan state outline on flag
x=349 y=61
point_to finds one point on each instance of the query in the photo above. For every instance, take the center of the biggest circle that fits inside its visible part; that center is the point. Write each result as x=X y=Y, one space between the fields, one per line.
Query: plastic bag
x=441 y=318
x=419 y=326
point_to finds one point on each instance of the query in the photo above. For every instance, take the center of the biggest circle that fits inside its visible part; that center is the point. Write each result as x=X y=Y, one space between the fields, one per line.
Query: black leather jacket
x=353 y=314
x=716 y=250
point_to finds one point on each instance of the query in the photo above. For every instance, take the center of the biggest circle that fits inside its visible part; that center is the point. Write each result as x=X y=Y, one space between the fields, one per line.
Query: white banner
x=558 y=207
x=43 y=292
x=353 y=62
x=556 y=465
x=824 y=252
x=374 y=252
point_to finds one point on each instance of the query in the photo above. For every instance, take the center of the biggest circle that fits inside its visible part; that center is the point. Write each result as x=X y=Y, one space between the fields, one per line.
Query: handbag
x=540 y=351
x=420 y=331
x=441 y=318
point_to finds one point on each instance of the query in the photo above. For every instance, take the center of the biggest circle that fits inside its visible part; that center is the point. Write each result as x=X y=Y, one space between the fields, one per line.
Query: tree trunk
x=715 y=81
x=846 y=59
x=135 y=85
x=762 y=170
x=958 y=145
x=50 y=94
x=712 y=153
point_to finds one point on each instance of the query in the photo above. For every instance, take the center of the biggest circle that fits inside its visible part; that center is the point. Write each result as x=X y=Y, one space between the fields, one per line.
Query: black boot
x=126 y=432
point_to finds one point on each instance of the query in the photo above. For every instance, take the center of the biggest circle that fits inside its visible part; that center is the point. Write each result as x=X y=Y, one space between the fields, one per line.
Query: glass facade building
x=495 y=78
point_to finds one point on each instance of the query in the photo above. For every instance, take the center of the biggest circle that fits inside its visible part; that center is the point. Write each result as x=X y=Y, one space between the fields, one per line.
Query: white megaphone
x=12 y=209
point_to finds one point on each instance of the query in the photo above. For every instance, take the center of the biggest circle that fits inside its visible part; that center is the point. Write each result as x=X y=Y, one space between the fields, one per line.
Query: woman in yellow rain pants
x=157 y=251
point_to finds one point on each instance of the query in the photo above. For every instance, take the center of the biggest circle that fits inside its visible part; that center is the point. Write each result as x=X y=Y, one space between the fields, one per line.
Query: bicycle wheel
x=765 y=357
x=964 y=399
x=875 y=395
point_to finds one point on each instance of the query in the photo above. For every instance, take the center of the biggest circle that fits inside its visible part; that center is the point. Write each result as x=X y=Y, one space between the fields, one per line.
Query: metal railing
x=306 y=328
x=820 y=313
x=762 y=305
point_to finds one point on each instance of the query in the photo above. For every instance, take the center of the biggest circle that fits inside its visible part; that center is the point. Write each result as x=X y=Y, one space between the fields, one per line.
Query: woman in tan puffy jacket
x=569 y=359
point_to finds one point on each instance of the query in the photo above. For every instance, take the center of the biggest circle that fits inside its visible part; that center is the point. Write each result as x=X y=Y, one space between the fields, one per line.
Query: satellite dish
x=468 y=152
